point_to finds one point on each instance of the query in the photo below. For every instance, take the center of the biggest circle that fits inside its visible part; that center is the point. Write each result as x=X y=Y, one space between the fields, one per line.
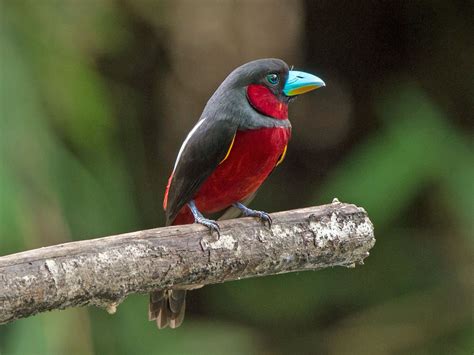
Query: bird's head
x=270 y=85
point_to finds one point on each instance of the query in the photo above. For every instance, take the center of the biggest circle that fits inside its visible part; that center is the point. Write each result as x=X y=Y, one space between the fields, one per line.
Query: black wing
x=202 y=151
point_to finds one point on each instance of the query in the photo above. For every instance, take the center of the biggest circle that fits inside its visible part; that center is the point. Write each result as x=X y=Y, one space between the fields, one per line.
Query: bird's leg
x=199 y=218
x=248 y=212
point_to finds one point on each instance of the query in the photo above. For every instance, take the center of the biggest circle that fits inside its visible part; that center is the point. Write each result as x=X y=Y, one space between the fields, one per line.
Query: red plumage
x=251 y=159
x=264 y=101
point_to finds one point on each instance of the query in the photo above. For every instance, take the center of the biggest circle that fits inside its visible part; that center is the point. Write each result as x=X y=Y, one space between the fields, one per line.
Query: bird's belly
x=253 y=156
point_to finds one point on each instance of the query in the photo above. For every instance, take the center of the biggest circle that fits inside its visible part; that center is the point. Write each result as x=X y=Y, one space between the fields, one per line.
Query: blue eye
x=273 y=78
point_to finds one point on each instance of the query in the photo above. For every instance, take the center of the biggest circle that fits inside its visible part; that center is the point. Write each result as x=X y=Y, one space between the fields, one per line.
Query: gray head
x=271 y=73
x=258 y=90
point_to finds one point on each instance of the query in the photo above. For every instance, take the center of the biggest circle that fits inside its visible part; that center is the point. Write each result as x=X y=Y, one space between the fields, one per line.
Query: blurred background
x=97 y=96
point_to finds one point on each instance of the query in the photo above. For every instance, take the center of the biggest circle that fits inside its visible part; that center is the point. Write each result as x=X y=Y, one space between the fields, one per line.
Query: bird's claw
x=248 y=212
x=210 y=224
x=265 y=218
x=199 y=218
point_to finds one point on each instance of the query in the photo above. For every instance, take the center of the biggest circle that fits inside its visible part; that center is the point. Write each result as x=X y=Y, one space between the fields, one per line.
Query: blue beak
x=299 y=82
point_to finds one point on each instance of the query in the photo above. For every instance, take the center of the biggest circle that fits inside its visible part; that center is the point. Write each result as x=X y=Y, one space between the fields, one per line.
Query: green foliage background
x=86 y=147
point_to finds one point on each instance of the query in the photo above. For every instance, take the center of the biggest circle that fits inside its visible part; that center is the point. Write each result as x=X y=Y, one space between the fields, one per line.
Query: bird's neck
x=265 y=102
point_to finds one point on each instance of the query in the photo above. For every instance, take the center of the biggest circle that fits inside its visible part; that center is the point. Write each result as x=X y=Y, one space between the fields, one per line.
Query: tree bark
x=104 y=271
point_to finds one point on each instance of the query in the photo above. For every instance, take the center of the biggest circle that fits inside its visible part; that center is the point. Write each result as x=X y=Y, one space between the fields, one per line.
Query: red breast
x=252 y=157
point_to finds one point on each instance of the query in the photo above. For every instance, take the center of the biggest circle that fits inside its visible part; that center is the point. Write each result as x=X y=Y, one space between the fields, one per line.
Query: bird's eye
x=273 y=78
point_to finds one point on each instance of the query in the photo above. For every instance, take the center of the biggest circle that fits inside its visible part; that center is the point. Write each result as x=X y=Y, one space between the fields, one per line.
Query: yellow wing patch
x=228 y=151
x=282 y=156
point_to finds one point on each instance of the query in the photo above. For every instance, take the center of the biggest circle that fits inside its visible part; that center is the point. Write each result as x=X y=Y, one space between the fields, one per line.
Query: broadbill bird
x=241 y=136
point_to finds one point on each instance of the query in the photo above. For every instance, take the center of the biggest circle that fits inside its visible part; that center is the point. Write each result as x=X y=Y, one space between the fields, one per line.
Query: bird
x=240 y=138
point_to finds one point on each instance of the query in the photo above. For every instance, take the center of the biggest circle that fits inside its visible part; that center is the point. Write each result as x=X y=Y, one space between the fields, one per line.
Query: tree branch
x=104 y=271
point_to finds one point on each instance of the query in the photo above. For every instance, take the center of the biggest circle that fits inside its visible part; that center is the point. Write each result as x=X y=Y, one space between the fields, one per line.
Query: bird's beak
x=299 y=82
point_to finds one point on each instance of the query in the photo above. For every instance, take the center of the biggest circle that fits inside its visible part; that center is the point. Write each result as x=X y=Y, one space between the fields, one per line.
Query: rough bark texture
x=104 y=271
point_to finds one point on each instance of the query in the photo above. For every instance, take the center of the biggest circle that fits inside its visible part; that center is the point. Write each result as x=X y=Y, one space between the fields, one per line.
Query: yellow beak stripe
x=228 y=151
x=282 y=156
x=303 y=90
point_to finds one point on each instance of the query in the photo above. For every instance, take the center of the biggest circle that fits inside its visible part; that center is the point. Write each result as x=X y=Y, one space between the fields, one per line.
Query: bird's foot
x=210 y=224
x=199 y=218
x=248 y=212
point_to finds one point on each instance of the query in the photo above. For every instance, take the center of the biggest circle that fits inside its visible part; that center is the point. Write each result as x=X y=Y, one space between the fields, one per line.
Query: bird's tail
x=167 y=308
